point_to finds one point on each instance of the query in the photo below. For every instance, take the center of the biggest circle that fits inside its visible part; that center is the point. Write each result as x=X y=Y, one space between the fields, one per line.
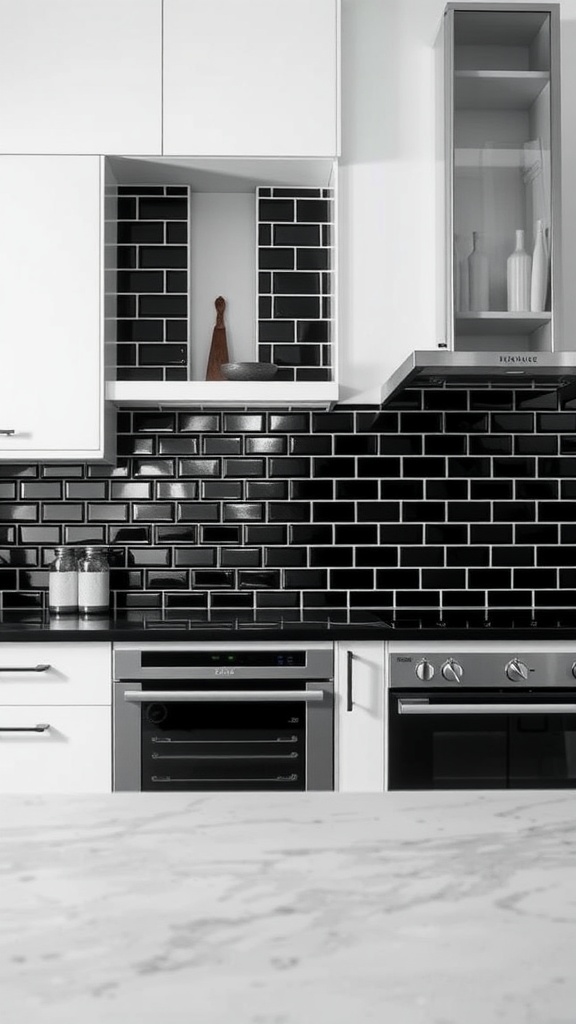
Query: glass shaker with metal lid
x=63 y=583
x=93 y=581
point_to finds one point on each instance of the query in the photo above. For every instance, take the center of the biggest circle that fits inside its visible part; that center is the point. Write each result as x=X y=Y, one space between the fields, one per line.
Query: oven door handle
x=241 y=696
x=407 y=707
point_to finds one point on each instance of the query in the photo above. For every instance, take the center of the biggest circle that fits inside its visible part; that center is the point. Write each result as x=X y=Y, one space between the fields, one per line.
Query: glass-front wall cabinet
x=501 y=136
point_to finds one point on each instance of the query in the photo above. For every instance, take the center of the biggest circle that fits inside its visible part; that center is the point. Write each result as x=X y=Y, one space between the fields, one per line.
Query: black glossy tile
x=153 y=467
x=332 y=422
x=32 y=489
x=244 y=467
x=152 y=513
x=492 y=398
x=326 y=557
x=169 y=490
x=378 y=466
x=353 y=490
x=525 y=579
x=514 y=511
x=239 y=423
x=443 y=579
x=470 y=556
x=306 y=579
x=310 y=490
x=514 y=467
x=427 y=466
x=169 y=579
x=469 y=511
x=316 y=211
x=535 y=490
x=140 y=281
x=265 y=445
x=161 y=256
x=558 y=556
x=266 y=534
x=177 y=446
x=373 y=557
x=535 y=444
x=444 y=444
x=534 y=399
x=220 y=534
x=199 y=467
x=208 y=579
x=556 y=422
x=142 y=557
x=423 y=511
x=295 y=283
x=421 y=556
x=196 y=557
x=402 y=444
x=313 y=535
x=296 y=234
x=162 y=208
x=162 y=355
x=445 y=490
x=446 y=533
x=128 y=534
x=285 y=558
x=392 y=579
x=513 y=423
x=198 y=512
x=327 y=512
x=492 y=490
x=421 y=422
x=190 y=423
x=162 y=306
x=243 y=511
x=234 y=558
x=290 y=511
x=513 y=556
x=564 y=466
x=352 y=579
x=537 y=533
x=84 y=535
x=445 y=399
x=552 y=512
x=263 y=579
x=297 y=307
x=467 y=423
x=484 y=579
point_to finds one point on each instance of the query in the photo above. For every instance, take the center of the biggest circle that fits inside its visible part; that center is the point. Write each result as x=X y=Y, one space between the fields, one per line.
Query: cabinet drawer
x=72 y=755
x=75 y=673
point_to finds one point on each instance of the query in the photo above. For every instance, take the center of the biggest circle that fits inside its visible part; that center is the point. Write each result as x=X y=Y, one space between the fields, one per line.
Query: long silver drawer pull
x=7 y=432
x=25 y=668
x=406 y=708
x=350 y=682
x=25 y=728
x=241 y=696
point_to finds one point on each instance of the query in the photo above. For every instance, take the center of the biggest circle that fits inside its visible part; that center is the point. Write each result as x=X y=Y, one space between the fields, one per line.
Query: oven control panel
x=435 y=669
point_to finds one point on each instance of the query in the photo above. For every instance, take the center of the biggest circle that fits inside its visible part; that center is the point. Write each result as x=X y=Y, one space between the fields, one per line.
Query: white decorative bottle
x=478 y=277
x=519 y=275
x=539 y=282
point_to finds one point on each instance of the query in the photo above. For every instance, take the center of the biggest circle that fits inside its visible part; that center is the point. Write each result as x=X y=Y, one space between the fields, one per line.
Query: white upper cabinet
x=51 y=315
x=80 y=76
x=251 y=77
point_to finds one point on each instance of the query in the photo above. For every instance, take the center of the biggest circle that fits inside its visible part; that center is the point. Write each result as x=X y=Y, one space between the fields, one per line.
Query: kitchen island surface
x=252 y=908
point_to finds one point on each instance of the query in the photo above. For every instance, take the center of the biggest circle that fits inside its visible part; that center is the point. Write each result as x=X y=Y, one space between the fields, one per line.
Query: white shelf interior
x=498 y=90
x=224 y=394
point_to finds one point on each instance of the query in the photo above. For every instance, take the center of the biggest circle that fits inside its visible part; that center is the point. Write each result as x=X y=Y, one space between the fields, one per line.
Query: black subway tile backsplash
x=463 y=502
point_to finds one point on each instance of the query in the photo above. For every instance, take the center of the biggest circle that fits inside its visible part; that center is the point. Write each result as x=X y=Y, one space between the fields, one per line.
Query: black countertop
x=284 y=624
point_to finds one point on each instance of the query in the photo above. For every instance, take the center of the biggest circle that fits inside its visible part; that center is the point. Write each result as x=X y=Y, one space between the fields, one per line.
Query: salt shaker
x=63 y=583
x=93 y=582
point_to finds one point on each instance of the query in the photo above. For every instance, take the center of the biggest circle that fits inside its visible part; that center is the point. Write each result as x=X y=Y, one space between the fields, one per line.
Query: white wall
x=388 y=230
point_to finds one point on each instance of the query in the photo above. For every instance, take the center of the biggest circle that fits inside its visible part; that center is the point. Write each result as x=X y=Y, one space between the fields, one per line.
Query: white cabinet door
x=55 y=673
x=251 y=77
x=51 y=337
x=72 y=755
x=360 y=688
x=80 y=76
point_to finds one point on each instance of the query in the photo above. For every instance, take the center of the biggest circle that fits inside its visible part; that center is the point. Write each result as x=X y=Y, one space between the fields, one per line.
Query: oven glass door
x=222 y=744
x=482 y=739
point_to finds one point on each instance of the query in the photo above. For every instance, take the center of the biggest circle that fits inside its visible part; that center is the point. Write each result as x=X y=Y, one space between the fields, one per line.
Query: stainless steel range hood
x=553 y=370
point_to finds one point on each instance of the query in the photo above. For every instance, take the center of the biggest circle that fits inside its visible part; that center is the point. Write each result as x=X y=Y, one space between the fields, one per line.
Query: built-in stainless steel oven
x=190 y=716
x=481 y=716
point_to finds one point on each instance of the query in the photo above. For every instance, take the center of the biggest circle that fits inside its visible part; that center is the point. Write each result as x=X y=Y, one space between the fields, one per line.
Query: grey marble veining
x=301 y=909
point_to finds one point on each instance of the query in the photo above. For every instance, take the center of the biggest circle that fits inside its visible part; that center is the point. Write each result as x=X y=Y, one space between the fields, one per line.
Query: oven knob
x=516 y=670
x=424 y=670
x=452 y=671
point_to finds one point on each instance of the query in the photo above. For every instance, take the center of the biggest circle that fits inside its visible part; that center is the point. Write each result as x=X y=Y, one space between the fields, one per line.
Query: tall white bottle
x=519 y=276
x=478 y=277
x=539 y=281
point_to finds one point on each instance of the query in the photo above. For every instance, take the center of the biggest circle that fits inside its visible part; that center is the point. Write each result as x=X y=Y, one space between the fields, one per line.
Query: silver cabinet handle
x=25 y=728
x=25 y=668
x=407 y=708
x=7 y=432
x=350 y=682
x=241 y=696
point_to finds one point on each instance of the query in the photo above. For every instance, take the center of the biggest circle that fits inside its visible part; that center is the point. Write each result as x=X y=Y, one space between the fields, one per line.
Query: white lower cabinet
x=72 y=753
x=360 y=716
x=55 y=718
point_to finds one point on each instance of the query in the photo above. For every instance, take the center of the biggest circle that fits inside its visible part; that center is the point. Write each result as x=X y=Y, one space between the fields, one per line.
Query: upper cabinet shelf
x=177 y=77
x=498 y=90
x=499 y=70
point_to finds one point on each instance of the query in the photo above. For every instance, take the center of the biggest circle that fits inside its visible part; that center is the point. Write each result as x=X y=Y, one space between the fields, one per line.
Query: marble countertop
x=438 y=908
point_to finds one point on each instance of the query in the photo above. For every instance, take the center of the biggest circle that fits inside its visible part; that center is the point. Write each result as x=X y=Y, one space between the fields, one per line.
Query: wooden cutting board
x=219 y=348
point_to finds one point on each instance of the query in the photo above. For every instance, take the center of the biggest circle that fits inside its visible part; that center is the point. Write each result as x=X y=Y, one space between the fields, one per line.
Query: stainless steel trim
x=8 y=433
x=407 y=707
x=128 y=665
x=25 y=728
x=238 y=696
x=25 y=668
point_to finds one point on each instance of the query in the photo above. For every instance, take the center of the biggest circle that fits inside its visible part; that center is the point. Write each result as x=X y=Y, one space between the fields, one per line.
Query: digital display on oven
x=214 y=658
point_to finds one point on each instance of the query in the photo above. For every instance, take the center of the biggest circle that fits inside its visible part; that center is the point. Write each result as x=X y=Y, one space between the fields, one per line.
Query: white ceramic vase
x=539 y=280
x=519 y=277
x=478 y=277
